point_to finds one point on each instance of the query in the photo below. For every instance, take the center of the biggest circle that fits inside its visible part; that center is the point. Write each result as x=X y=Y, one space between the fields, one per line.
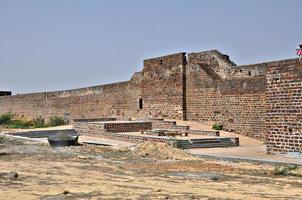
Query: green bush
x=286 y=170
x=28 y=123
x=217 y=127
x=6 y=118
x=39 y=123
x=19 y=124
x=56 y=121
x=9 y=121
x=3 y=139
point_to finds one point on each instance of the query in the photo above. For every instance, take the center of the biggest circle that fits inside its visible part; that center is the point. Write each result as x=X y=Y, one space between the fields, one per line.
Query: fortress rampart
x=260 y=100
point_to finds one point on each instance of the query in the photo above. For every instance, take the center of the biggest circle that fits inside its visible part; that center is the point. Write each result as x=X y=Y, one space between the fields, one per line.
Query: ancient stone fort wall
x=284 y=107
x=260 y=100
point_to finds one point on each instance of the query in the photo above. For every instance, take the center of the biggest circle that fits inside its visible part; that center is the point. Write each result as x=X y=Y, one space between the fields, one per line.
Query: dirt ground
x=94 y=172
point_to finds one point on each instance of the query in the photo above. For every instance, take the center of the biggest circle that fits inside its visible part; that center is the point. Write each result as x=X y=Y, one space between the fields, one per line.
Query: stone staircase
x=214 y=142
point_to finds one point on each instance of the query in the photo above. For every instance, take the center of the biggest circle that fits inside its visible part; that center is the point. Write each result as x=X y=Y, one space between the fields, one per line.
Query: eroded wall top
x=220 y=64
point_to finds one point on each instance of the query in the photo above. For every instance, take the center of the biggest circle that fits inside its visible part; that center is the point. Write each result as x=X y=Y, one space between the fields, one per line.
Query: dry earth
x=145 y=172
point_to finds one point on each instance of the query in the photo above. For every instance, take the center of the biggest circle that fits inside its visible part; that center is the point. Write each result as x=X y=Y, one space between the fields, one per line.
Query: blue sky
x=62 y=44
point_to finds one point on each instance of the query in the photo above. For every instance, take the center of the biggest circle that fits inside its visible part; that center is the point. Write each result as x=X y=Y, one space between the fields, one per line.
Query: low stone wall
x=112 y=127
x=132 y=138
x=95 y=119
x=121 y=127
x=98 y=129
x=88 y=128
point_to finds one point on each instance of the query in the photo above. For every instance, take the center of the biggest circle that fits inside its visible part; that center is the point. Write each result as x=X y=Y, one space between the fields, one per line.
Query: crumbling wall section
x=218 y=91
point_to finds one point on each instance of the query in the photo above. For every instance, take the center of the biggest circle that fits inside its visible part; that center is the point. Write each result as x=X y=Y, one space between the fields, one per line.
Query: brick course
x=112 y=127
x=219 y=92
x=284 y=107
x=260 y=100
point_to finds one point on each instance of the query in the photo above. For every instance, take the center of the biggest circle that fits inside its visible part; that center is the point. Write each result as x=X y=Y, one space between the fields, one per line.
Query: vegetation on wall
x=5 y=118
x=217 y=127
x=8 y=120
x=56 y=121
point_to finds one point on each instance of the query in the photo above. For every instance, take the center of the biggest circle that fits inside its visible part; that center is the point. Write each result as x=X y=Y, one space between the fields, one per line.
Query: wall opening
x=5 y=93
x=140 y=103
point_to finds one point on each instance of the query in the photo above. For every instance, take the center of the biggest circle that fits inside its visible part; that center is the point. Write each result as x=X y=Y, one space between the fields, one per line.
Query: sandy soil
x=91 y=172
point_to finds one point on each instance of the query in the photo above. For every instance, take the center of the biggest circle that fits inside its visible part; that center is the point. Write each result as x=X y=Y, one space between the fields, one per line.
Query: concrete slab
x=85 y=139
x=97 y=143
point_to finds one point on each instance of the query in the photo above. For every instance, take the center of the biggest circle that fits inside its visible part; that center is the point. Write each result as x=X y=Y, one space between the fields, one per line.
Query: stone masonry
x=112 y=126
x=259 y=100
x=284 y=107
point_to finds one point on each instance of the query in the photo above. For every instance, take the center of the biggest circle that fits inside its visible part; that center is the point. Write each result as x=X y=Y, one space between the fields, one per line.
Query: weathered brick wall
x=113 y=127
x=243 y=105
x=95 y=102
x=284 y=107
x=127 y=127
x=219 y=92
x=243 y=113
x=162 y=86
x=219 y=66
x=159 y=86
x=210 y=88
x=103 y=119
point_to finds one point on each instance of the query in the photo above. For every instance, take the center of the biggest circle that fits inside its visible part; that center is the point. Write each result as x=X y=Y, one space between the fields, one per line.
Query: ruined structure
x=260 y=100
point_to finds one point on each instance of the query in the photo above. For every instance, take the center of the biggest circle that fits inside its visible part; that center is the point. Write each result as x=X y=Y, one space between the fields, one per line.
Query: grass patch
x=56 y=121
x=10 y=121
x=16 y=124
x=6 y=117
x=290 y=170
x=217 y=127
x=39 y=123
x=3 y=139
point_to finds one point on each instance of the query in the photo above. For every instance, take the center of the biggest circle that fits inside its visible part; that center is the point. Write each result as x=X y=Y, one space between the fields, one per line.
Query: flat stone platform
x=41 y=133
x=183 y=142
x=141 y=131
